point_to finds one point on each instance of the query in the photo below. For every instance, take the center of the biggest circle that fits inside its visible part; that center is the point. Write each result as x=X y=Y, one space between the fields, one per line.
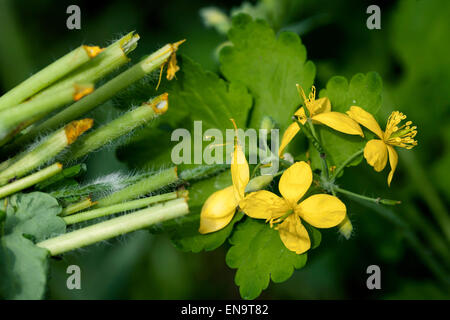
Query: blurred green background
x=412 y=54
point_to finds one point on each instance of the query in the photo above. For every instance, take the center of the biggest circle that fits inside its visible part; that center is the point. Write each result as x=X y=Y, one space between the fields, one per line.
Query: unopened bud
x=346 y=228
x=259 y=182
x=267 y=123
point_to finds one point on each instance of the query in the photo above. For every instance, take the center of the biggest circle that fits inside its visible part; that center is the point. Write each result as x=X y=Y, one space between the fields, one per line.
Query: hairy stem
x=76 y=207
x=141 y=187
x=121 y=207
x=359 y=196
x=46 y=76
x=107 y=61
x=46 y=150
x=427 y=258
x=21 y=116
x=109 y=89
x=30 y=180
x=346 y=162
x=115 y=227
x=70 y=172
x=428 y=192
x=434 y=238
x=118 y=127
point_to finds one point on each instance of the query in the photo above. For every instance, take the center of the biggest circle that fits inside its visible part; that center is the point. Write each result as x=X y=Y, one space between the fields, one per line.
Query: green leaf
x=197 y=242
x=209 y=98
x=259 y=255
x=196 y=95
x=314 y=235
x=269 y=66
x=363 y=91
x=24 y=266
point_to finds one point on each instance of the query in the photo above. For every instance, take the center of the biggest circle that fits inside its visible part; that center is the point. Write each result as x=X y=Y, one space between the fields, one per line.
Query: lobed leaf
x=269 y=66
x=24 y=266
x=259 y=255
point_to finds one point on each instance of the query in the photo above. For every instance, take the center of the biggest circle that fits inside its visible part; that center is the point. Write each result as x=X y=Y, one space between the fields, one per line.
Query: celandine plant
x=270 y=218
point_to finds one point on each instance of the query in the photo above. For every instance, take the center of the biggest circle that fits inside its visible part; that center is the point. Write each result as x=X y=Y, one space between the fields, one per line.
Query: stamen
x=307 y=101
x=400 y=136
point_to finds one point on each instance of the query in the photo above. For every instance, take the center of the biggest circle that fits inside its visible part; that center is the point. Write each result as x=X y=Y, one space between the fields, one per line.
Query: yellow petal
x=288 y=135
x=315 y=107
x=295 y=181
x=300 y=113
x=294 y=235
x=393 y=160
x=366 y=119
x=239 y=172
x=264 y=205
x=322 y=210
x=376 y=155
x=319 y=106
x=218 y=210
x=339 y=122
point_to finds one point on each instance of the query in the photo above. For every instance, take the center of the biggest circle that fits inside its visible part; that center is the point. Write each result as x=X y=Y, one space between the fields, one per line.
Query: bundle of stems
x=28 y=112
x=104 y=63
x=45 y=151
x=119 y=127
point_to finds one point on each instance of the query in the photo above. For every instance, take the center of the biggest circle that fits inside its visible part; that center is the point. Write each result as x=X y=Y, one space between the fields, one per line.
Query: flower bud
x=258 y=183
x=346 y=228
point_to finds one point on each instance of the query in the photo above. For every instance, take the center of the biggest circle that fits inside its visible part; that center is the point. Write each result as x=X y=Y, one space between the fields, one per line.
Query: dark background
x=412 y=54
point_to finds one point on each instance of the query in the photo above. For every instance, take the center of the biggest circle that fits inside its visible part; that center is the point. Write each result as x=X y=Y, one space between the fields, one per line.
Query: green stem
x=359 y=196
x=5 y=164
x=30 y=180
x=346 y=162
x=76 y=207
x=325 y=172
x=45 y=77
x=115 y=227
x=427 y=191
x=116 y=183
x=107 y=61
x=67 y=173
x=141 y=187
x=429 y=233
x=310 y=136
x=255 y=169
x=201 y=172
x=427 y=258
x=45 y=151
x=118 y=127
x=110 y=59
x=121 y=207
x=108 y=90
x=21 y=116
x=279 y=173
x=322 y=154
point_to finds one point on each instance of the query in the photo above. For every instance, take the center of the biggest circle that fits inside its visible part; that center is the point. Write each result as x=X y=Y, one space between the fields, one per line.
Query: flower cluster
x=298 y=205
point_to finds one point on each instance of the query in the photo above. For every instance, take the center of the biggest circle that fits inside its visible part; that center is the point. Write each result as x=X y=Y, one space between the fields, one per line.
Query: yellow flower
x=219 y=209
x=319 y=112
x=319 y=210
x=377 y=151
